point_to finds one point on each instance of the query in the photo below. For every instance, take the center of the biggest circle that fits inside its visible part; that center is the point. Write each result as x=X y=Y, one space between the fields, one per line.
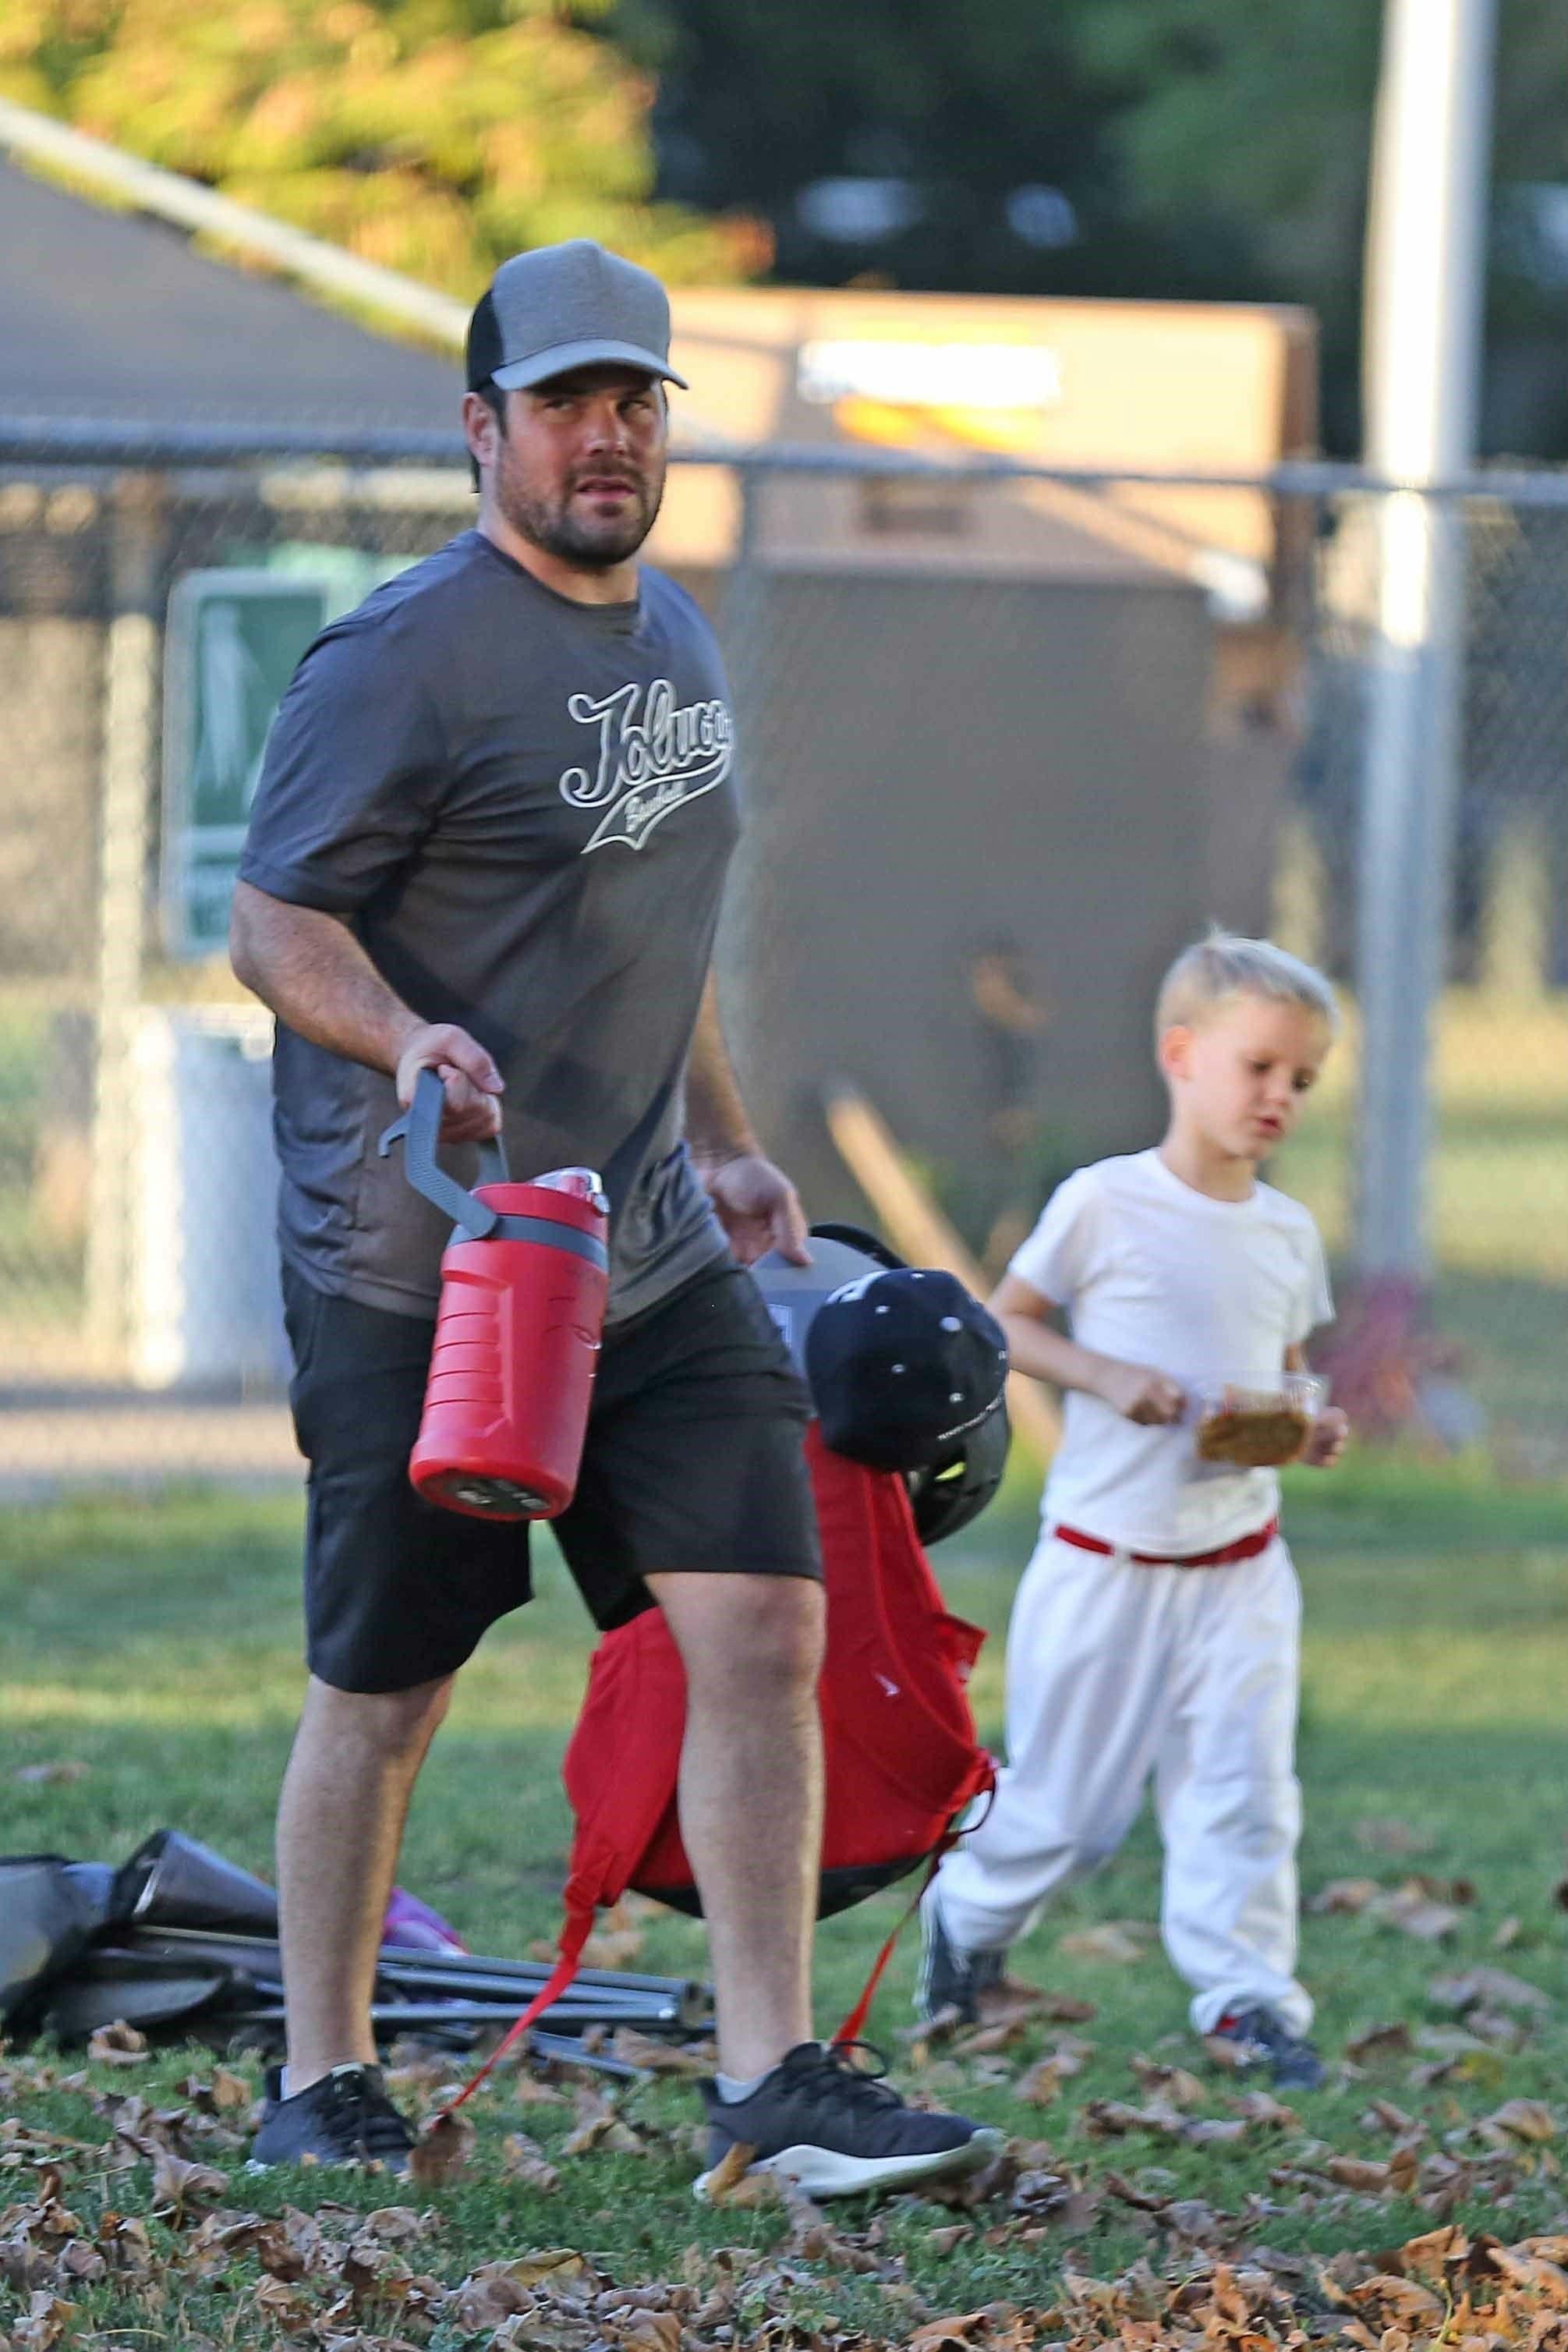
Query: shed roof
x=116 y=315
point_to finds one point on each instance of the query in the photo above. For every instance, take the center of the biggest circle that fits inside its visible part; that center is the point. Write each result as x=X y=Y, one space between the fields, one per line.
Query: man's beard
x=592 y=544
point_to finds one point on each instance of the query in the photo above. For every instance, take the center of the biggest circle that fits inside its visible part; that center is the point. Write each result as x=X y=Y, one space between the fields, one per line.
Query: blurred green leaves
x=431 y=136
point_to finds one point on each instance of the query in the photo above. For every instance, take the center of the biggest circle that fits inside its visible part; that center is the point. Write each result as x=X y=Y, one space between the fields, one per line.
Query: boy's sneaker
x=820 y=2121
x=1265 y=2041
x=950 y=1978
x=346 y=2118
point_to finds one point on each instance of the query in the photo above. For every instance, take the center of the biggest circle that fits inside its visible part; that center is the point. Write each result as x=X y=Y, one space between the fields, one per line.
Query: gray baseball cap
x=567 y=306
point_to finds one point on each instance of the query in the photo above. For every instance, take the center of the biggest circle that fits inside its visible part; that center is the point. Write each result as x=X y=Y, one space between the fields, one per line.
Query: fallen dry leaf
x=1484 y=1987
x=497 y=2292
x=1213 y=2131
x=1040 y=2083
x=178 y=2186
x=1524 y=2119
x=553 y=2266
x=1526 y=2269
x=964 y=2192
x=1417 y=1912
x=652 y=2057
x=1171 y=2083
x=1451 y=2041
x=1357 y=2172
x=217 y=2093
x=728 y=2172
x=1435 y=2251
x=80 y=2265
x=126 y=2244
x=660 y=2331
x=1404 y=2302
x=529 y=2091
x=959 y=2331
x=396 y=2225
x=751 y=2192
x=117 y=2045
x=1110 y=2118
x=987 y=2039
x=1012 y=1996
x=372 y=2271
x=614 y=1941
x=524 y=2161
x=1383 y=2115
x=931 y=2031
x=1106 y=1942
x=47 y=2320
x=1346 y=1895
x=1500 y=2032
x=1386 y=1833
x=606 y=2133
x=635 y=1906
x=1394 y=2177
x=1263 y=2108
x=1390 y=2041
x=1507 y=1932
x=67 y=1769
x=441 y=2151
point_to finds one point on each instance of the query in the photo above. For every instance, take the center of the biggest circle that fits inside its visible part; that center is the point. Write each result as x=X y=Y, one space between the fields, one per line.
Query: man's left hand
x=758 y=1208
x=1325 y=1440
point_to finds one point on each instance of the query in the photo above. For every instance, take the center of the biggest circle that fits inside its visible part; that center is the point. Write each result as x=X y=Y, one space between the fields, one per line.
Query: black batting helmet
x=949 y=1484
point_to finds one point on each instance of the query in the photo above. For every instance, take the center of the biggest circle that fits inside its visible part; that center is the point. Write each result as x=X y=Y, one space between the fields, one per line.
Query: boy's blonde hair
x=1212 y=971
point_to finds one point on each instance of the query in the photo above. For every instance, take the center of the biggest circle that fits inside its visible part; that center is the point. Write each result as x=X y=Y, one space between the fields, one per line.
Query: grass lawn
x=154 y=1641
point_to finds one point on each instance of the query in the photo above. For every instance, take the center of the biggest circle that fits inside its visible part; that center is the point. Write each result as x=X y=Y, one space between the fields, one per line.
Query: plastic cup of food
x=1253 y=1427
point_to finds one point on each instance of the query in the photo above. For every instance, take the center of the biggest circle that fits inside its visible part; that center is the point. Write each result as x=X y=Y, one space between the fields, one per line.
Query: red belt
x=1244 y=1548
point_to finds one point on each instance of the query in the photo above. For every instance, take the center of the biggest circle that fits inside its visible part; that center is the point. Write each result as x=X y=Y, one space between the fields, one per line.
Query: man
x=490 y=840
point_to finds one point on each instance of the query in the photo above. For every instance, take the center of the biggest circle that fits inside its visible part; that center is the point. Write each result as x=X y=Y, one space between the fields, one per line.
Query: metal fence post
x=130 y=725
x=1425 y=272
x=1409 y=808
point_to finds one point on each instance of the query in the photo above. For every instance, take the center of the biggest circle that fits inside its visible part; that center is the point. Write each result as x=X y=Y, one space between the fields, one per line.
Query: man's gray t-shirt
x=524 y=807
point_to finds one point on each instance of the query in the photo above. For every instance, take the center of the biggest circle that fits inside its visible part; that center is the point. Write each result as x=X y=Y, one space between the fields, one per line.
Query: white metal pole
x=129 y=720
x=1422 y=353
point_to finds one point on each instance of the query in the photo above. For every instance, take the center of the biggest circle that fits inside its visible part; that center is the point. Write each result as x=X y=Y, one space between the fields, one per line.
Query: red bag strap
x=574 y=1935
x=850 y=2030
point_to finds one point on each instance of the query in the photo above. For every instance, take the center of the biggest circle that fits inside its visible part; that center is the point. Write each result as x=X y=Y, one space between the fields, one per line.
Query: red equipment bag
x=900 y=1756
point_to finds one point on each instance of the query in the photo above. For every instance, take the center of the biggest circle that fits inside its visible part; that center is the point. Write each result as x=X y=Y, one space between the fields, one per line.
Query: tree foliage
x=432 y=136
x=1209 y=149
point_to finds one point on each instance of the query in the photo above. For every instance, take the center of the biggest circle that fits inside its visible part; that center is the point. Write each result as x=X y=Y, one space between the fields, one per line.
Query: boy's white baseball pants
x=1115 y=1672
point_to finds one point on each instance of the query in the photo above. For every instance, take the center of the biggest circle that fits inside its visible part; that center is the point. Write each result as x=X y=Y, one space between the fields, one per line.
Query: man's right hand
x=473 y=1083
x=1140 y=1393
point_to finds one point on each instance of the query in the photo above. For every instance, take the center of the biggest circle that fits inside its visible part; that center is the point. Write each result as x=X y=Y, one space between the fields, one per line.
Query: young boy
x=1156 y=1629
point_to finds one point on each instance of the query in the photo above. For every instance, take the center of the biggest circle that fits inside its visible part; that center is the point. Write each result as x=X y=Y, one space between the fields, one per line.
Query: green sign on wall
x=233 y=641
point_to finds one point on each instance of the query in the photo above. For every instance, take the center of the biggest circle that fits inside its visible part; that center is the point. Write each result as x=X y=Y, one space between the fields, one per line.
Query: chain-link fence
x=1008 y=739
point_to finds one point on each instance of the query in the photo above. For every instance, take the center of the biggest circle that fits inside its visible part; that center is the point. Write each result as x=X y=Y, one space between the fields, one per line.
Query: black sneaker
x=1293 y=2065
x=346 y=2118
x=950 y=1977
x=838 y=2131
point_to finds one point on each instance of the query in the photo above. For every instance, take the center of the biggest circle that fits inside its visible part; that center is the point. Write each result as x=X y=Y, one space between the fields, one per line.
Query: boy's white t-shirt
x=1206 y=1291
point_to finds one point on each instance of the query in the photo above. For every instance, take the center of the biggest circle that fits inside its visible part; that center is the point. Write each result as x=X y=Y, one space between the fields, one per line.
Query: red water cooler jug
x=523 y=1286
